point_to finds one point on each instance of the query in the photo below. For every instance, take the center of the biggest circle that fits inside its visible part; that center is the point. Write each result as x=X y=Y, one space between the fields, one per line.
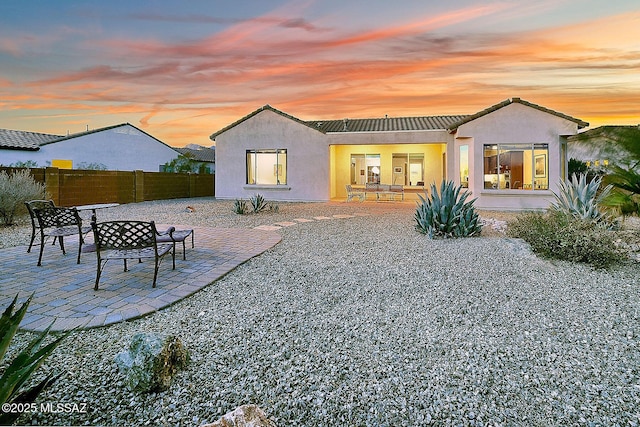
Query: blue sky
x=182 y=70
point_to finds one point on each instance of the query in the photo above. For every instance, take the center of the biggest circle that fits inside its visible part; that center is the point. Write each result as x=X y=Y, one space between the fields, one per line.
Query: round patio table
x=95 y=207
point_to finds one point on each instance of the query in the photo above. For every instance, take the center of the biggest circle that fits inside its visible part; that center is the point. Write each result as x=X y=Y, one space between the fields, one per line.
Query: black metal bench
x=130 y=240
x=178 y=236
x=57 y=222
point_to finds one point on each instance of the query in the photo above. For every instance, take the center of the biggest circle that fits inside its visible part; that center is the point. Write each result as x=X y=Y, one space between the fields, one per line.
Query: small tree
x=16 y=189
x=184 y=163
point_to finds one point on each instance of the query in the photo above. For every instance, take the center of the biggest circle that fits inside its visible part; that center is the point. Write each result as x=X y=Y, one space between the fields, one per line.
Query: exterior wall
x=514 y=123
x=307 y=159
x=120 y=148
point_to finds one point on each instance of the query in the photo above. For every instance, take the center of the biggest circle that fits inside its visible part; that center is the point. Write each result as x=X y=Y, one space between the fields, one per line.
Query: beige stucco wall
x=514 y=123
x=307 y=159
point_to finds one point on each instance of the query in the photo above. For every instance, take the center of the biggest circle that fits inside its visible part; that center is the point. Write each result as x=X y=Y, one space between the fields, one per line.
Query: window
x=516 y=166
x=464 y=166
x=408 y=168
x=365 y=168
x=267 y=167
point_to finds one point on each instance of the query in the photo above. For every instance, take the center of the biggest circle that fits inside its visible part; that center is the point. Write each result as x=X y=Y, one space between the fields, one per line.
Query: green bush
x=558 y=235
x=24 y=364
x=447 y=214
x=16 y=189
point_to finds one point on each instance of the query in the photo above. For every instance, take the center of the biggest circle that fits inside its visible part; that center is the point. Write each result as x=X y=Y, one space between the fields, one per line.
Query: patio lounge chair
x=37 y=204
x=352 y=192
x=58 y=222
x=130 y=240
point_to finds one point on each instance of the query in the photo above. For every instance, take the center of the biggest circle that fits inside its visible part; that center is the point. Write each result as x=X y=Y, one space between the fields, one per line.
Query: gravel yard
x=364 y=322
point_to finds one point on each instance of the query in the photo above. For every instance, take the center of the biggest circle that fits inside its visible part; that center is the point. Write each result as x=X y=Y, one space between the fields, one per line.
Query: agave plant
x=258 y=203
x=447 y=214
x=24 y=364
x=581 y=199
x=240 y=207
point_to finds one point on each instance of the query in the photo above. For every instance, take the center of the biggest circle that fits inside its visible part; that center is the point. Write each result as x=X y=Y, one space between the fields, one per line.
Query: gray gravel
x=363 y=322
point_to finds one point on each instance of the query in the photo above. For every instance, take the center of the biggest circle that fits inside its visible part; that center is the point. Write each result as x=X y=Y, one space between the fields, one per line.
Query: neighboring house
x=119 y=147
x=509 y=156
x=205 y=158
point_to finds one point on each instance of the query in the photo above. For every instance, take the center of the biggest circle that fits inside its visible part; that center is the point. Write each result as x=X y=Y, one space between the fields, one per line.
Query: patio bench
x=57 y=222
x=385 y=190
x=130 y=240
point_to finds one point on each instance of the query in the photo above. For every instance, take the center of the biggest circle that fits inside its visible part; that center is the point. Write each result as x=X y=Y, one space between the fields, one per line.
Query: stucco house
x=510 y=156
x=119 y=147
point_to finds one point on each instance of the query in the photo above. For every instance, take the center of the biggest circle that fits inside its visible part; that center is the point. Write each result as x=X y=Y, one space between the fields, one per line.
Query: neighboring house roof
x=21 y=140
x=259 y=110
x=201 y=154
x=386 y=124
x=89 y=132
x=453 y=127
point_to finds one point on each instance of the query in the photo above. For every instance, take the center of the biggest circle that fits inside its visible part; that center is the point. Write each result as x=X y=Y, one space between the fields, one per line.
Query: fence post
x=139 y=183
x=52 y=183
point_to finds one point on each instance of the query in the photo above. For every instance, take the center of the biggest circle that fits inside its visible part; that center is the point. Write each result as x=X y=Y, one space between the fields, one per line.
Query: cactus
x=447 y=214
x=580 y=199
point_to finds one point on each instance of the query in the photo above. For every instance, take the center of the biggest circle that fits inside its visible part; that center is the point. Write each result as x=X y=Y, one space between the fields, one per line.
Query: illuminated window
x=267 y=167
x=516 y=166
x=365 y=168
x=408 y=168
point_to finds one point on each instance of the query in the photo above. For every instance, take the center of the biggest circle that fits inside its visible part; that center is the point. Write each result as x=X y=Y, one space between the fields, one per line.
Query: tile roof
x=386 y=124
x=580 y=123
x=21 y=140
x=202 y=154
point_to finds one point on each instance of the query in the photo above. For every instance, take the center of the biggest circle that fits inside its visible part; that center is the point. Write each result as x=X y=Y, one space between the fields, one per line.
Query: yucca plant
x=447 y=214
x=24 y=364
x=258 y=203
x=581 y=199
x=240 y=207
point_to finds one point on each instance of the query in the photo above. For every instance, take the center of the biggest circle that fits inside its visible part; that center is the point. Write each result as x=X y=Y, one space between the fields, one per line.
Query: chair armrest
x=168 y=231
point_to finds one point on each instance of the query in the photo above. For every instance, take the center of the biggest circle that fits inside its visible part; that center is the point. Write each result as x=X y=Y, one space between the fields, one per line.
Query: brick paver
x=63 y=290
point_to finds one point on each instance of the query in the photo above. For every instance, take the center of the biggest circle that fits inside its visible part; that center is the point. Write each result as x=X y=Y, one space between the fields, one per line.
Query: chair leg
x=33 y=237
x=79 y=251
x=41 y=249
x=155 y=273
x=62 y=245
x=125 y=264
x=99 y=270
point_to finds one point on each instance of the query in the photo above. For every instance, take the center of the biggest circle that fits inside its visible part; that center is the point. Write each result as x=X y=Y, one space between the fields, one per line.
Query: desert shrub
x=20 y=369
x=558 y=235
x=447 y=214
x=582 y=199
x=258 y=203
x=240 y=207
x=16 y=189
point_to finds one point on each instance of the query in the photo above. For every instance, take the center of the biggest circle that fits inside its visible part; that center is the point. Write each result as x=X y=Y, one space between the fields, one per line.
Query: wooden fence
x=72 y=187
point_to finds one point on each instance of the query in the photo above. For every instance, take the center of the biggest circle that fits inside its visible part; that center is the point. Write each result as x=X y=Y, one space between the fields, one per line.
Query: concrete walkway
x=64 y=294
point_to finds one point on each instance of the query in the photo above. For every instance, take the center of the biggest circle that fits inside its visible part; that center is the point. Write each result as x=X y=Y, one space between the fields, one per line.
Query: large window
x=464 y=166
x=267 y=167
x=408 y=168
x=516 y=166
x=365 y=168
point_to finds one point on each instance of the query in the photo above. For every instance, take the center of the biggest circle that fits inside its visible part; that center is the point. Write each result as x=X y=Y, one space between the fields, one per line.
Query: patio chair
x=351 y=193
x=130 y=240
x=58 y=222
x=37 y=204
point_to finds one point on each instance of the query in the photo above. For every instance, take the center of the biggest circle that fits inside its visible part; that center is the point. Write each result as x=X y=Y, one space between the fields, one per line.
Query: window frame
x=280 y=167
x=535 y=150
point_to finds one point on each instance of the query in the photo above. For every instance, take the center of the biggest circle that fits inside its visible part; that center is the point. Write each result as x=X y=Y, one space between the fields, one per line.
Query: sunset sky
x=181 y=70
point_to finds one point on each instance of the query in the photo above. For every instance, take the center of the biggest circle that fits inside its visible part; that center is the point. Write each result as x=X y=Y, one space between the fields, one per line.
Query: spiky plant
x=258 y=203
x=447 y=214
x=240 y=207
x=24 y=364
x=581 y=199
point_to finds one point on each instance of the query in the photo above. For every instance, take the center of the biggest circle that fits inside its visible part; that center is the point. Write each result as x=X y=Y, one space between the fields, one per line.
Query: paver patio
x=63 y=290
